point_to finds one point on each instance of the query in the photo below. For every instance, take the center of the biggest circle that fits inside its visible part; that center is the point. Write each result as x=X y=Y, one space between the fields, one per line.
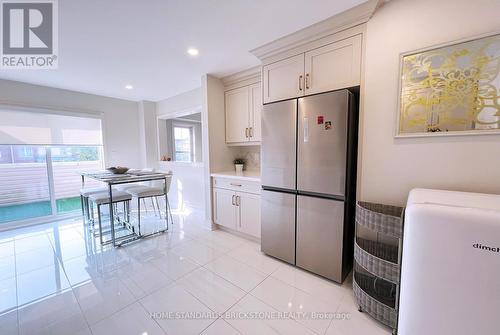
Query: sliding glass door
x=41 y=158
x=24 y=183
x=39 y=181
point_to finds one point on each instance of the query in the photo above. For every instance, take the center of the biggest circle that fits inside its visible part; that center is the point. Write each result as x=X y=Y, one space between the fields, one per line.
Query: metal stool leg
x=153 y=204
x=158 y=206
x=169 y=211
x=100 y=223
x=83 y=207
x=139 y=215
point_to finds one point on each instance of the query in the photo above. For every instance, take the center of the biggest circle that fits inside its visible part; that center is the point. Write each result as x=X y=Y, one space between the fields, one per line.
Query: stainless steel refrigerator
x=309 y=150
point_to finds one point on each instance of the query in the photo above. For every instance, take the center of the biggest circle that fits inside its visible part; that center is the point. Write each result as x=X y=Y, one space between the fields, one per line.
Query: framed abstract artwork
x=452 y=89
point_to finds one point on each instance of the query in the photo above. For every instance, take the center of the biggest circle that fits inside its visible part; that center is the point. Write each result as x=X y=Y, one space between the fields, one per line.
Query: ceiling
x=106 y=45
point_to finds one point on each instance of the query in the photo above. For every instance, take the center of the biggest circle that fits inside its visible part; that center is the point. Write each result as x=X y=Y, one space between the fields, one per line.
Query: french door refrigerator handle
x=305 y=126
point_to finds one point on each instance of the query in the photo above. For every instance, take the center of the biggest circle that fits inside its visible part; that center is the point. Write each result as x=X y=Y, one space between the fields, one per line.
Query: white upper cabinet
x=243 y=112
x=237 y=115
x=255 y=113
x=334 y=66
x=283 y=79
x=325 y=68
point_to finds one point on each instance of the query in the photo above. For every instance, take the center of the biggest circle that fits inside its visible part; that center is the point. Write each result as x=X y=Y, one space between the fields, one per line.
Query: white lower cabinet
x=239 y=211
x=224 y=208
x=249 y=213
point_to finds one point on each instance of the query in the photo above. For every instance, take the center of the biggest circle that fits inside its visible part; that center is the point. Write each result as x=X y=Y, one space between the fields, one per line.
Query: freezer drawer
x=279 y=124
x=322 y=143
x=320 y=226
x=278 y=225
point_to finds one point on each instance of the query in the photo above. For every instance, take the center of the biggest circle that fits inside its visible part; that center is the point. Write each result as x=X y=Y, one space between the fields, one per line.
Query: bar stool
x=102 y=198
x=125 y=187
x=155 y=191
x=84 y=199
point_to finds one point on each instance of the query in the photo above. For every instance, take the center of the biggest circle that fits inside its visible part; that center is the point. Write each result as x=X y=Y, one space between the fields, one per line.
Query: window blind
x=41 y=128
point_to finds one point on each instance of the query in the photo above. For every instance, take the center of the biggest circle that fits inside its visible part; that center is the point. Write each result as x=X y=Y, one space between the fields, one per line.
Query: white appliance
x=450 y=279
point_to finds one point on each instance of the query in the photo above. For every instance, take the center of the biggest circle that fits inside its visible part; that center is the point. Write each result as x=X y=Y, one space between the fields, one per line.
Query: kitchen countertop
x=245 y=175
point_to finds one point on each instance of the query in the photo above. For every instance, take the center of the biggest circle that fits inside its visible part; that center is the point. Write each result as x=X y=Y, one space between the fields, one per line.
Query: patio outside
x=25 y=186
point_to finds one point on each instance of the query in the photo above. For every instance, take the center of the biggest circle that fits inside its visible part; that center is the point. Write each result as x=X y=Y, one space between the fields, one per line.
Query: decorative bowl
x=118 y=169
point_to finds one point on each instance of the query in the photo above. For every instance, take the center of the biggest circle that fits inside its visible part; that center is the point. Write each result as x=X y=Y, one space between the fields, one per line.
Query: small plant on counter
x=238 y=164
x=239 y=161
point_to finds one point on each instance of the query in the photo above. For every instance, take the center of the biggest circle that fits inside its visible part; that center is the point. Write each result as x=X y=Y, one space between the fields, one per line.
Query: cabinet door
x=284 y=79
x=249 y=214
x=255 y=112
x=334 y=66
x=224 y=208
x=237 y=111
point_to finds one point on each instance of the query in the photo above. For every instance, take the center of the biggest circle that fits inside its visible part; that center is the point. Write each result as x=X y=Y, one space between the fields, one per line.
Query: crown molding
x=244 y=75
x=342 y=21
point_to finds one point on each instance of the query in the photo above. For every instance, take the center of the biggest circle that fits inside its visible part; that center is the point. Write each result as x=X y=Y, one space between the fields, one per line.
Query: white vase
x=239 y=168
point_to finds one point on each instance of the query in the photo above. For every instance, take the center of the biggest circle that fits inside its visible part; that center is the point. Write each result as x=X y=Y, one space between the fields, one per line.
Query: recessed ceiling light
x=193 y=51
x=129 y=87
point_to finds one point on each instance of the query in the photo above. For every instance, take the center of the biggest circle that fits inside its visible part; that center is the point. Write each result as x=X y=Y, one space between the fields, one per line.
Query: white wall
x=391 y=167
x=148 y=134
x=187 y=188
x=120 y=117
x=189 y=100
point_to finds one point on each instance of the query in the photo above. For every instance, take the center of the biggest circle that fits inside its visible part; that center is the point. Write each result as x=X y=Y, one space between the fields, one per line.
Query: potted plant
x=239 y=163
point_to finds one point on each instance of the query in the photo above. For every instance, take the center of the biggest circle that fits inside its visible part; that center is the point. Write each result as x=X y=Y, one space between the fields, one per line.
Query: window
x=183 y=144
x=41 y=156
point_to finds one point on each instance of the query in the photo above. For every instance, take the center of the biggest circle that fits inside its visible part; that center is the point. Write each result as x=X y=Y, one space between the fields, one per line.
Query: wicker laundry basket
x=377 y=255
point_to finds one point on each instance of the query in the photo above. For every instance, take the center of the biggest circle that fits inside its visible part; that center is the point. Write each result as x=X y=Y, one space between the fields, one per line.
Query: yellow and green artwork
x=453 y=89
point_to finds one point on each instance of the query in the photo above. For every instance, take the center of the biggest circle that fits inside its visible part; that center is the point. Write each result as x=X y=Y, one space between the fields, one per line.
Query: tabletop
x=110 y=178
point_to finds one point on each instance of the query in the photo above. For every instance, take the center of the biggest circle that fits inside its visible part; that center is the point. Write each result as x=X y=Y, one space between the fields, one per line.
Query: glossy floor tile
x=56 y=279
x=289 y=299
x=7 y=267
x=56 y=314
x=102 y=297
x=8 y=294
x=177 y=311
x=252 y=316
x=212 y=290
x=132 y=320
x=236 y=272
x=197 y=251
x=220 y=327
x=40 y=283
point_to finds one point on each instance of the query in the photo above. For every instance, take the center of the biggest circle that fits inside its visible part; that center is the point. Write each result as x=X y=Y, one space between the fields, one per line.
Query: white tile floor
x=54 y=279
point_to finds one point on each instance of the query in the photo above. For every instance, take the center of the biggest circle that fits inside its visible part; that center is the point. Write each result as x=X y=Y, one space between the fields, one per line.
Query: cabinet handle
x=300 y=83
x=232 y=200
x=307 y=81
x=250 y=132
x=246 y=132
x=234 y=184
x=238 y=200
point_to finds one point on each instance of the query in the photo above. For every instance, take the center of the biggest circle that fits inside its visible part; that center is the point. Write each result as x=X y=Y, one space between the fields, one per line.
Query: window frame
x=190 y=128
x=103 y=153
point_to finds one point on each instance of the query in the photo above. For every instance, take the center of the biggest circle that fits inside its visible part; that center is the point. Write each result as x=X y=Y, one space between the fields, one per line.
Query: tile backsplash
x=251 y=154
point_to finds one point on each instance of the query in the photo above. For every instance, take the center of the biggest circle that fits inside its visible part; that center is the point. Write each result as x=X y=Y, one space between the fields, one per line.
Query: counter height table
x=117 y=179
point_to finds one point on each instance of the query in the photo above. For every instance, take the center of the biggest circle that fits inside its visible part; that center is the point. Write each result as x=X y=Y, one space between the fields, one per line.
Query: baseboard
x=237 y=233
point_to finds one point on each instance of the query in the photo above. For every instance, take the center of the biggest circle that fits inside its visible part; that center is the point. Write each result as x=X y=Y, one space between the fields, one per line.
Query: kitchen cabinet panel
x=224 y=208
x=237 y=115
x=249 y=214
x=256 y=112
x=333 y=66
x=284 y=79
